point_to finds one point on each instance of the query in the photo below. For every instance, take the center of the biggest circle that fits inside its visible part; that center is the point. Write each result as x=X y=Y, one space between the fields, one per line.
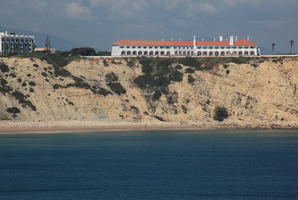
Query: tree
x=273 y=47
x=84 y=51
x=291 y=46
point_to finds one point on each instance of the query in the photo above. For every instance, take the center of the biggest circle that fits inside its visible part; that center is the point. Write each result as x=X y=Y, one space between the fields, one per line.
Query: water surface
x=150 y=165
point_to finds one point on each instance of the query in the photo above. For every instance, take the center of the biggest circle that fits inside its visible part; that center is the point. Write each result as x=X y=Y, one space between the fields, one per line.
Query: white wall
x=116 y=51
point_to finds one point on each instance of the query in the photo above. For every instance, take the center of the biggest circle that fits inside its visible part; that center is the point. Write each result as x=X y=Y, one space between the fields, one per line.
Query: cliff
x=255 y=92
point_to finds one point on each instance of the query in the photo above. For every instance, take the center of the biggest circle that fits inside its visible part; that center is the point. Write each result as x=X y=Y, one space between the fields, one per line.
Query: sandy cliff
x=259 y=92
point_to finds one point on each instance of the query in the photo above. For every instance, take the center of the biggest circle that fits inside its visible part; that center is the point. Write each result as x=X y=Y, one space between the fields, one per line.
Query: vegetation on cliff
x=163 y=89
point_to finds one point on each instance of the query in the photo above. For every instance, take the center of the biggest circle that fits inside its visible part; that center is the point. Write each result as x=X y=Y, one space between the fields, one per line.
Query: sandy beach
x=81 y=126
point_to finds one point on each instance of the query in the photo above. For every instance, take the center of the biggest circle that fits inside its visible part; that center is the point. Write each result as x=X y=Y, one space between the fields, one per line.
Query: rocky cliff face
x=173 y=90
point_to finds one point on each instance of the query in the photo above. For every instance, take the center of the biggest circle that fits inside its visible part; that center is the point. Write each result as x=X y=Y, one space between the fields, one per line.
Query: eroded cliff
x=185 y=90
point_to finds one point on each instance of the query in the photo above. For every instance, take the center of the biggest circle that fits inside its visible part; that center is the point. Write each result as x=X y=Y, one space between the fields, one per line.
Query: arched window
x=184 y=53
x=188 y=53
x=123 y=53
x=176 y=53
x=210 y=53
x=222 y=53
x=246 y=53
x=240 y=53
x=252 y=53
x=162 y=53
x=234 y=53
x=151 y=53
x=140 y=53
x=168 y=53
x=199 y=53
x=216 y=53
x=134 y=53
x=156 y=52
x=129 y=53
x=145 y=52
x=228 y=53
x=205 y=53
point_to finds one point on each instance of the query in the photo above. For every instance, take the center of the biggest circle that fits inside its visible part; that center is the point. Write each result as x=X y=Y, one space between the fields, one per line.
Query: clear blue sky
x=98 y=23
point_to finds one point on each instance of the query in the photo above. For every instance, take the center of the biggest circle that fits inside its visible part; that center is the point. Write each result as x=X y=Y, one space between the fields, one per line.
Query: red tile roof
x=242 y=42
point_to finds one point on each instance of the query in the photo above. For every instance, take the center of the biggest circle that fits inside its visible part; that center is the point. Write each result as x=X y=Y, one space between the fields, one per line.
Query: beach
x=80 y=126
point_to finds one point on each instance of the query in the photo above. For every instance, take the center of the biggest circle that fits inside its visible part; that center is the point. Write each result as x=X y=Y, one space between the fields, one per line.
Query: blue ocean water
x=150 y=165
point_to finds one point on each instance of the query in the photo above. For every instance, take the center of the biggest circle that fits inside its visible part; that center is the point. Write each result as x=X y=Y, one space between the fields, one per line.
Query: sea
x=150 y=165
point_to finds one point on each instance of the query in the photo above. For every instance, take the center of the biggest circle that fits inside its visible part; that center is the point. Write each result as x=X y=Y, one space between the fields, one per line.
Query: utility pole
x=48 y=44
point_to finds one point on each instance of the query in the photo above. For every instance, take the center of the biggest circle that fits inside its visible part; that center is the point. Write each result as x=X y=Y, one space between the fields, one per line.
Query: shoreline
x=93 y=126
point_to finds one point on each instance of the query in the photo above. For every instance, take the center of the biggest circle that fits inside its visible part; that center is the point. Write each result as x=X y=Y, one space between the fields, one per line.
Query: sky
x=99 y=23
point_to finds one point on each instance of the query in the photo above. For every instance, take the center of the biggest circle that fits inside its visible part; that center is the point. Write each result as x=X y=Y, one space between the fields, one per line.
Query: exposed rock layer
x=261 y=91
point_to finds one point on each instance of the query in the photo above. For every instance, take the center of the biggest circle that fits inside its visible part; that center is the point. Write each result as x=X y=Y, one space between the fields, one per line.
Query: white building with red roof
x=242 y=47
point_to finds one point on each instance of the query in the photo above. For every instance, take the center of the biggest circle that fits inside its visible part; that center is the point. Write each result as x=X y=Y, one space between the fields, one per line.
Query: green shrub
x=101 y=91
x=160 y=82
x=83 y=51
x=144 y=81
x=189 y=61
x=23 y=100
x=13 y=110
x=189 y=70
x=135 y=109
x=184 y=108
x=62 y=72
x=220 y=114
x=159 y=118
x=111 y=77
x=105 y=63
x=117 y=88
x=4 y=88
x=130 y=63
x=239 y=60
x=35 y=65
x=176 y=76
x=178 y=67
x=226 y=66
x=4 y=68
x=147 y=65
x=191 y=80
x=156 y=96
x=57 y=86
x=31 y=83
